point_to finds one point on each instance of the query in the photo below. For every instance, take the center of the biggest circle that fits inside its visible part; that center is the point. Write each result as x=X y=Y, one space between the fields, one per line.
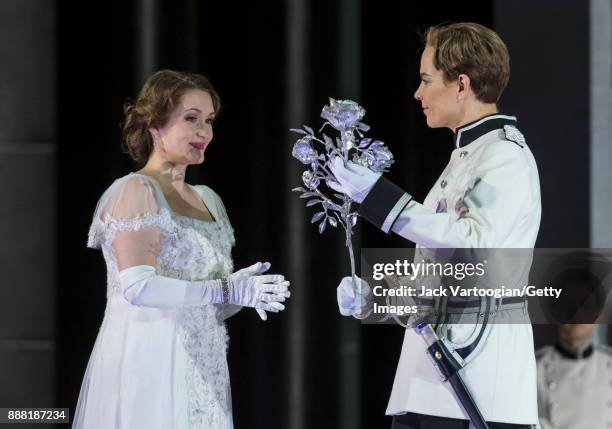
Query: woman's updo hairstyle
x=155 y=103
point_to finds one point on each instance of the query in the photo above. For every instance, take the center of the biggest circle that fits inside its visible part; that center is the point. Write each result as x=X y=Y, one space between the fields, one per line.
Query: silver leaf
x=362 y=126
x=300 y=189
x=317 y=216
x=309 y=194
x=332 y=206
x=332 y=221
x=310 y=130
x=322 y=226
x=313 y=202
x=364 y=142
x=297 y=130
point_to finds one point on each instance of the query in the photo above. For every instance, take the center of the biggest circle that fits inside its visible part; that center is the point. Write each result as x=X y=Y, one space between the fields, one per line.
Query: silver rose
x=377 y=158
x=335 y=210
x=310 y=180
x=343 y=115
x=303 y=151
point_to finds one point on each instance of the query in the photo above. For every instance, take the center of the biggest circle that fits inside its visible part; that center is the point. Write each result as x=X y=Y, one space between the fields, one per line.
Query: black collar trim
x=573 y=354
x=467 y=133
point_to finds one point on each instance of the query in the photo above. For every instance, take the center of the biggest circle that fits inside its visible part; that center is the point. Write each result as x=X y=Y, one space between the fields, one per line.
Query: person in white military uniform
x=575 y=381
x=487 y=197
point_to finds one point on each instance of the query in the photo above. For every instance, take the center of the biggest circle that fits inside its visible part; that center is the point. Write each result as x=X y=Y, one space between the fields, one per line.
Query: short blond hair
x=471 y=49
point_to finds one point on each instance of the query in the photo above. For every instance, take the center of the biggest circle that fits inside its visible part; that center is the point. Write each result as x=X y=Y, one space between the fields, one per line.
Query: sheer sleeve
x=132 y=216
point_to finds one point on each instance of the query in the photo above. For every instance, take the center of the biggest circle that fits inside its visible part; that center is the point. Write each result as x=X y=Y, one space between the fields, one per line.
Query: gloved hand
x=354 y=180
x=263 y=292
x=354 y=299
x=142 y=286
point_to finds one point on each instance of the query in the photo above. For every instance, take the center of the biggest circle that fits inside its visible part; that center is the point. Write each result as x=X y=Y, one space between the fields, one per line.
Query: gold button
x=438 y=355
x=443 y=184
x=463 y=154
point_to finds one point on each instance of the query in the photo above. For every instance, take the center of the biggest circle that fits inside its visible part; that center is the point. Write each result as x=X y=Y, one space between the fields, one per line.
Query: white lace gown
x=159 y=367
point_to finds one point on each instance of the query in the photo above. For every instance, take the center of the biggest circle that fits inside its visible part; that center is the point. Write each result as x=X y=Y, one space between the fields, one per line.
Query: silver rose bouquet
x=315 y=152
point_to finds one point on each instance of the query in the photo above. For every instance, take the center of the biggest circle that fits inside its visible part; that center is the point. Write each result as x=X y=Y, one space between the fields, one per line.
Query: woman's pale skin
x=178 y=144
x=448 y=104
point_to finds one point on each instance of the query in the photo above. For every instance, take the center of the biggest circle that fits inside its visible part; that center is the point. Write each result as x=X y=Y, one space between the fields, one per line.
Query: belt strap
x=470 y=306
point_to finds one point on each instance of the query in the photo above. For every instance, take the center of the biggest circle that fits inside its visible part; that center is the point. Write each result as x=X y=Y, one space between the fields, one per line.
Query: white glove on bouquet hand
x=142 y=286
x=354 y=299
x=354 y=180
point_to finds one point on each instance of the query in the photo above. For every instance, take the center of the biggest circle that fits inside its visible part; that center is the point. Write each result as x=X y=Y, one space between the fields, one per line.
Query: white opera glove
x=354 y=298
x=143 y=287
x=231 y=309
x=354 y=180
x=262 y=292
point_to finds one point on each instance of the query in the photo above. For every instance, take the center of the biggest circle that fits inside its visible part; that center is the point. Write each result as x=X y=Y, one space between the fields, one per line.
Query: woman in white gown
x=160 y=357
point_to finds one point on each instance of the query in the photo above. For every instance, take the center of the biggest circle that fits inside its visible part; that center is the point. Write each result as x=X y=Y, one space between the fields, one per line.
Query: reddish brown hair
x=155 y=103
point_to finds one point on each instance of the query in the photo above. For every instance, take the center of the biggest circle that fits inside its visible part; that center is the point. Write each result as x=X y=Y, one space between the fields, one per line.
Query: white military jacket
x=575 y=389
x=488 y=196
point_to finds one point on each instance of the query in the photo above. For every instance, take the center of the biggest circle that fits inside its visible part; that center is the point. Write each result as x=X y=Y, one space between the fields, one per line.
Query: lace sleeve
x=132 y=203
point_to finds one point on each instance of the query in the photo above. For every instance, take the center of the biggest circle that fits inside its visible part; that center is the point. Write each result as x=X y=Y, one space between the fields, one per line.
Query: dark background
x=297 y=370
